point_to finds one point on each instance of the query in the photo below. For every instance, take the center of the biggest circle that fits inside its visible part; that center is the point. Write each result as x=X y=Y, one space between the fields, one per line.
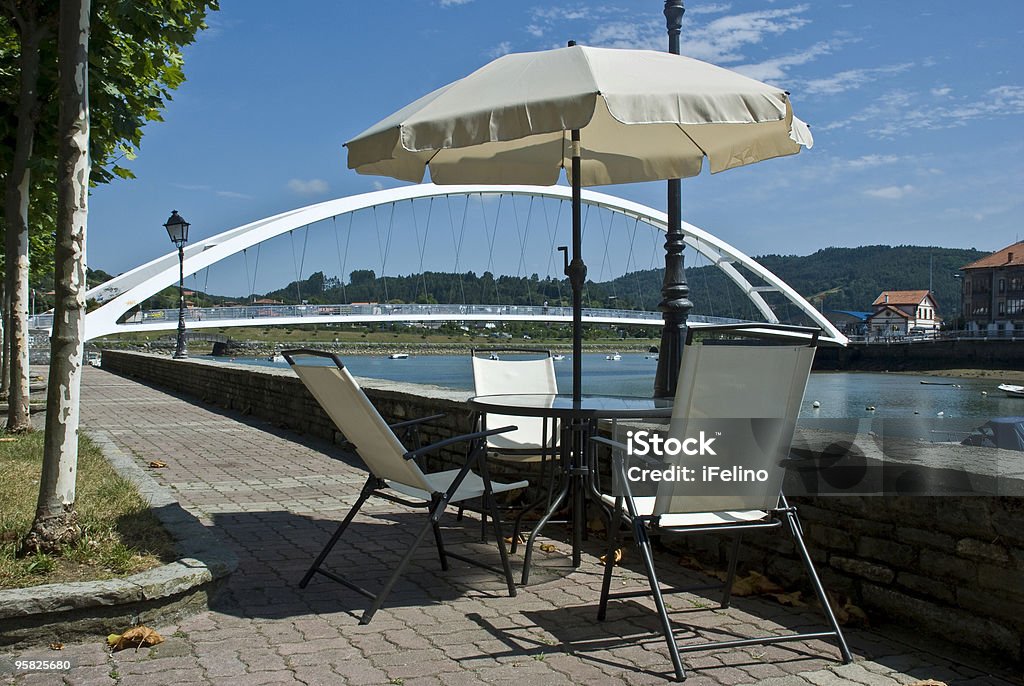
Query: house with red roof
x=899 y=313
x=992 y=295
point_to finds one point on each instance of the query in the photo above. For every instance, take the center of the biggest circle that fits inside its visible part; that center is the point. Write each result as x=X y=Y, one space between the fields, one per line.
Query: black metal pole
x=179 y=349
x=577 y=271
x=675 y=304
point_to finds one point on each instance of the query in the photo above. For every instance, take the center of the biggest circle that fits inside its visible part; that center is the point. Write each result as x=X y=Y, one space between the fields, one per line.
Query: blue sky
x=916 y=107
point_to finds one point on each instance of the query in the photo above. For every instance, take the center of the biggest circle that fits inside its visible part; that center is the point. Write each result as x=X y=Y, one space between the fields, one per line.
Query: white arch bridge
x=121 y=295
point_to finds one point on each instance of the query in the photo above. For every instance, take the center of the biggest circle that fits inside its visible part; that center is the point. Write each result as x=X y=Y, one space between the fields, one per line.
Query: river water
x=839 y=394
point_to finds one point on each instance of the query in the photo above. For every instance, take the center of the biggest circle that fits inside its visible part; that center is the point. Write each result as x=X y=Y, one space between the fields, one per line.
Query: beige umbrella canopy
x=642 y=115
x=639 y=115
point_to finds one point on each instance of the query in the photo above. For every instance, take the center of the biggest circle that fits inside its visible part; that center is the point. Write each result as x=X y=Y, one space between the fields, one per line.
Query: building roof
x=863 y=316
x=893 y=310
x=1011 y=255
x=900 y=298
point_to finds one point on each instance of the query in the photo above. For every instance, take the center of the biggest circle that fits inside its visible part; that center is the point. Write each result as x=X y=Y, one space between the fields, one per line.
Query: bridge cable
x=457 y=245
x=385 y=249
x=343 y=262
x=707 y=286
x=583 y=237
x=523 y=239
x=491 y=236
x=421 y=246
x=606 y=232
x=631 y=258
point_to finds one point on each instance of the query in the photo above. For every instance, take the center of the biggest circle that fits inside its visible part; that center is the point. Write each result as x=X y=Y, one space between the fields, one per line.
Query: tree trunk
x=16 y=199
x=5 y=370
x=56 y=522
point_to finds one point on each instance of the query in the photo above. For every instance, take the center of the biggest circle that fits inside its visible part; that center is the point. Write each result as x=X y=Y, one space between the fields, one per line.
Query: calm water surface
x=840 y=394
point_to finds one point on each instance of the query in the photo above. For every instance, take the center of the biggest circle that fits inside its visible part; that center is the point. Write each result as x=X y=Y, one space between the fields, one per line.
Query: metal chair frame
x=643 y=527
x=375 y=486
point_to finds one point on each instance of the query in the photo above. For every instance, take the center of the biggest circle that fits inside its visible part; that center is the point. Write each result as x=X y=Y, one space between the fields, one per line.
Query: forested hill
x=837 y=278
x=832 y=279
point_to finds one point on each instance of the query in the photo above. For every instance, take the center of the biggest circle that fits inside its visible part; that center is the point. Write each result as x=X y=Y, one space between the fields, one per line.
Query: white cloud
x=307 y=187
x=775 y=69
x=378 y=186
x=889 y=192
x=870 y=161
x=453 y=3
x=941 y=92
x=233 y=194
x=852 y=79
x=898 y=111
x=502 y=48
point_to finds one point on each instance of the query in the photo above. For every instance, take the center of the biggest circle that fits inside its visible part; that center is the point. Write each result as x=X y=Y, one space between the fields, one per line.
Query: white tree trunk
x=16 y=201
x=55 y=521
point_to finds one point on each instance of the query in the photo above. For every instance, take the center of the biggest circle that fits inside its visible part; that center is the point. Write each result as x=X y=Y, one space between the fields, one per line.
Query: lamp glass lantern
x=177 y=228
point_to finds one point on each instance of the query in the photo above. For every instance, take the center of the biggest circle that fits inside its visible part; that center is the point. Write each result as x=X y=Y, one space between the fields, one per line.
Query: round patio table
x=578 y=420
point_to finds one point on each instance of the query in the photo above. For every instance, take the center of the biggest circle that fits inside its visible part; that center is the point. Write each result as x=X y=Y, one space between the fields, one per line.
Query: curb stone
x=52 y=612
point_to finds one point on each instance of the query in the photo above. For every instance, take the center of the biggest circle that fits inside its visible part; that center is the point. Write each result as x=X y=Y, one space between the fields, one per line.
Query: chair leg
x=734 y=555
x=614 y=528
x=644 y=544
x=366 y=492
x=439 y=540
x=795 y=530
x=379 y=600
x=500 y=538
x=528 y=555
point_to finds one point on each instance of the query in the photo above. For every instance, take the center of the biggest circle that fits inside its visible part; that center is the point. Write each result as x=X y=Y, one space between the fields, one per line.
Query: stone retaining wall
x=949 y=566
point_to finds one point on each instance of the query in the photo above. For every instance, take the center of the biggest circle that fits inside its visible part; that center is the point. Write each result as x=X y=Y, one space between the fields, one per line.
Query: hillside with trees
x=832 y=279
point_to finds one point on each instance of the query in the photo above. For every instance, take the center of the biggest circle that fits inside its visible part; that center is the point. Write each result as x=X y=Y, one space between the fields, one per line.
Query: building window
x=967 y=286
x=1002 y=285
x=1014 y=306
x=1002 y=308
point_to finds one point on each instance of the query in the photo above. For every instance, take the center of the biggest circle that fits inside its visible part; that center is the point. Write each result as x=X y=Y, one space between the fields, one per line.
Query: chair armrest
x=413 y=454
x=414 y=422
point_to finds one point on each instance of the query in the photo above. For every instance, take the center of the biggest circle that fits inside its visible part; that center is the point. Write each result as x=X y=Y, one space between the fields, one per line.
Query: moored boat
x=1012 y=390
x=398 y=356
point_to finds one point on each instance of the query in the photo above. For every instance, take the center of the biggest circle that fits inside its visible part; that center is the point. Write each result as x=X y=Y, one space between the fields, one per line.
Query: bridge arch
x=122 y=293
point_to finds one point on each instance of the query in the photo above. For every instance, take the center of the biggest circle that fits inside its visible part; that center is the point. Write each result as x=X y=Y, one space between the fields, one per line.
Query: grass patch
x=121 y=535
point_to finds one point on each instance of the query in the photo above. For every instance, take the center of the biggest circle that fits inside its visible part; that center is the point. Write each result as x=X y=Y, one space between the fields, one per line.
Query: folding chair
x=393 y=469
x=502 y=371
x=753 y=392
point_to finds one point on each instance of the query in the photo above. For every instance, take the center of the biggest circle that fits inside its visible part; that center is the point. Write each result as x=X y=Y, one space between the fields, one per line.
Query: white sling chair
x=497 y=371
x=393 y=468
x=728 y=384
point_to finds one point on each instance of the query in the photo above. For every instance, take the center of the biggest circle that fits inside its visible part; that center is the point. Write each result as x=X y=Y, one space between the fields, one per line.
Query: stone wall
x=947 y=566
x=923 y=355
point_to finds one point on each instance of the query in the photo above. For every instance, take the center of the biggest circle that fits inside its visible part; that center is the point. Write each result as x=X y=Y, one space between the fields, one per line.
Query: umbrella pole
x=577 y=271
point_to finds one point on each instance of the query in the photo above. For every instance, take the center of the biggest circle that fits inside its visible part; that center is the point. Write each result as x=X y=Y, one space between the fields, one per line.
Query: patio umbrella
x=604 y=115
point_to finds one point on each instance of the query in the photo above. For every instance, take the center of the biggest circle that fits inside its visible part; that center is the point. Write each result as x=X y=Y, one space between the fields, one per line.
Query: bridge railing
x=404 y=312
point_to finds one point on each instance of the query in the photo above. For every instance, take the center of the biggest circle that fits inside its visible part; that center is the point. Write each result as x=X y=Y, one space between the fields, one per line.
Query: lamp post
x=177 y=229
x=675 y=304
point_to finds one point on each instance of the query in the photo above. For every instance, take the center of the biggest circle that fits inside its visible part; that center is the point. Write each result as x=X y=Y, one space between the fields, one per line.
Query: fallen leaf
x=157 y=464
x=596 y=524
x=136 y=637
x=755 y=583
x=690 y=562
x=519 y=539
x=7 y=439
x=548 y=547
x=793 y=599
x=56 y=646
x=618 y=557
x=929 y=682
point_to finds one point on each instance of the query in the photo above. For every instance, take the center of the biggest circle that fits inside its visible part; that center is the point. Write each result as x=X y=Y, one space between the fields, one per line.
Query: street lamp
x=177 y=229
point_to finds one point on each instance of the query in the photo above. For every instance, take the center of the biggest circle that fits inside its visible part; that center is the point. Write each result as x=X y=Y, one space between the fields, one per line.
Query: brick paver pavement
x=274 y=497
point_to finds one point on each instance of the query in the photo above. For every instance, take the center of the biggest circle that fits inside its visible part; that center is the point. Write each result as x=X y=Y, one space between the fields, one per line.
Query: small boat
x=398 y=356
x=651 y=356
x=277 y=357
x=938 y=383
x=558 y=357
x=494 y=356
x=615 y=357
x=1011 y=390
